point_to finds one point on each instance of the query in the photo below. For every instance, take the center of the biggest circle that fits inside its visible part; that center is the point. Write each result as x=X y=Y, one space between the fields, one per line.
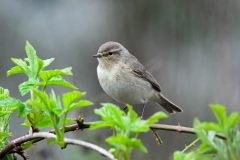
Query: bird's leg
x=144 y=105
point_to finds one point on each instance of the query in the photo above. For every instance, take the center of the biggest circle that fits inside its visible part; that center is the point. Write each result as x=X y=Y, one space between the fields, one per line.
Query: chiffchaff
x=126 y=80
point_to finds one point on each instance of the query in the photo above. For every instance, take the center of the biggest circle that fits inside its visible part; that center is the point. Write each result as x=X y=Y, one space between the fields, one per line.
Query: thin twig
x=47 y=135
x=190 y=145
x=158 y=139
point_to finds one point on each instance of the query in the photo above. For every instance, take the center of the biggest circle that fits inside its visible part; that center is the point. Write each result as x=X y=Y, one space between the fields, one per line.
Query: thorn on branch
x=179 y=128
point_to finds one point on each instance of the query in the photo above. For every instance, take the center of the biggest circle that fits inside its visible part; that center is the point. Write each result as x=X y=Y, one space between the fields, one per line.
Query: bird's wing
x=138 y=69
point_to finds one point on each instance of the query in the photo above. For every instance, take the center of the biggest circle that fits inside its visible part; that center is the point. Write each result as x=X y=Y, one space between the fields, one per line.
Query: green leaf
x=27 y=86
x=56 y=104
x=54 y=77
x=58 y=81
x=38 y=119
x=202 y=134
x=61 y=82
x=3 y=113
x=32 y=58
x=22 y=64
x=40 y=68
x=126 y=128
x=132 y=115
x=36 y=104
x=211 y=135
x=47 y=75
x=220 y=113
x=123 y=143
x=118 y=141
x=43 y=97
x=137 y=143
x=67 y=71
x=211 y=126
x=26 y=123
x=27 y=145
x=4 y=93
x=101 y=124
x=4 y=135
x=23 y=110
x=31 y=52
x=178 y=155
x=233 y=120
x=12 y=104
x=44 y=121
x=206 y=148
x=15 y=70
x=211 y=146
x=57 y=111
x=70 y=97
x=47 y=62
x=80 y=104
x=112 y=114
x=156 y=117
x=7 y=107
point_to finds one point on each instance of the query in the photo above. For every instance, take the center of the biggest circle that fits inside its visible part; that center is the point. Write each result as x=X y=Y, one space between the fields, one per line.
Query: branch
x=173 y=128
x=47 y=135
x=180 y=129
x=166 y=127
x=80 y=126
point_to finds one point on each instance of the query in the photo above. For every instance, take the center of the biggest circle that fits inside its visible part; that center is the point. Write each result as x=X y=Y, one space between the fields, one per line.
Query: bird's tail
x=168 y=105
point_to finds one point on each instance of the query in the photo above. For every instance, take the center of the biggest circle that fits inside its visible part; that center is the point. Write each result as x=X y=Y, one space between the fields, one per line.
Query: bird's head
x=110 y=54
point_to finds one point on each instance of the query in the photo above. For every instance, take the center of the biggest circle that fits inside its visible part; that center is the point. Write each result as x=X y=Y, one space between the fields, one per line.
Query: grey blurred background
x=191 y=47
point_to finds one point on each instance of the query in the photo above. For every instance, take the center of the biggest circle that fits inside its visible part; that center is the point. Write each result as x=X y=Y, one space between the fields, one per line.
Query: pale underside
x=124 y=86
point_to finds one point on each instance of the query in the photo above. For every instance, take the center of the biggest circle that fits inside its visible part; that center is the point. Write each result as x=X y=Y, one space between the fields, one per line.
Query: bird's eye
x=110 y=53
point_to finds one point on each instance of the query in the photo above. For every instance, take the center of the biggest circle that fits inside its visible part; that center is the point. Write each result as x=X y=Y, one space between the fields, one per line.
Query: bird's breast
x=123 y=86
x=106 y=76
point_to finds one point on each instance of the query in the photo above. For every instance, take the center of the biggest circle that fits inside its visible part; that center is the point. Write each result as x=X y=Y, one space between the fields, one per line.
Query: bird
x=126 y=80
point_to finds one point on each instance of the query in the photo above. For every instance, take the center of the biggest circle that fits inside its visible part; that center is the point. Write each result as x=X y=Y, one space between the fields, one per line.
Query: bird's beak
x=98 y=55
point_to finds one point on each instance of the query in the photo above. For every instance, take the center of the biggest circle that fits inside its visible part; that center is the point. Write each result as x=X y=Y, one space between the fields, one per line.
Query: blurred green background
x=191 y=47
